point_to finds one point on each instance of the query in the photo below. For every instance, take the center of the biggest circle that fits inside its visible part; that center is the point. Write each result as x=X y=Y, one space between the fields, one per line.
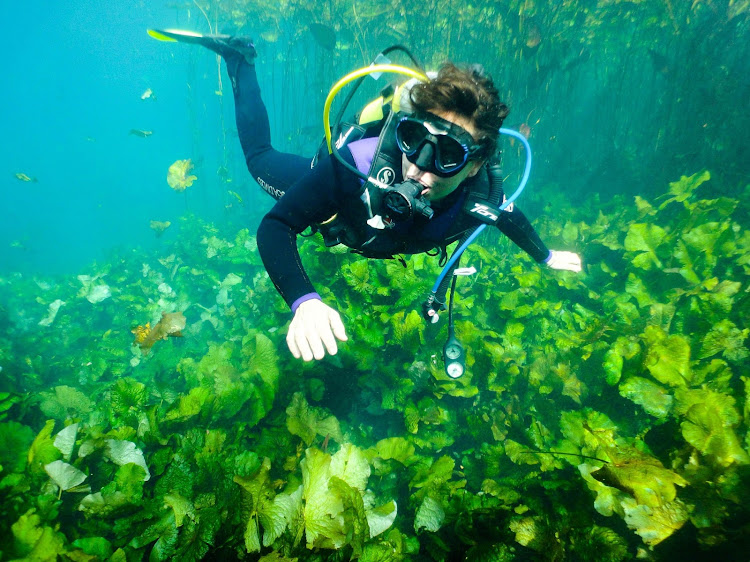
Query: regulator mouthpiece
x=404 y=201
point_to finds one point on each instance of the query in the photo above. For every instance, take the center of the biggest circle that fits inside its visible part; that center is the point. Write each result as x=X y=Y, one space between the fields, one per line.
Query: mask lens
x=451 y=154
x=409 y=135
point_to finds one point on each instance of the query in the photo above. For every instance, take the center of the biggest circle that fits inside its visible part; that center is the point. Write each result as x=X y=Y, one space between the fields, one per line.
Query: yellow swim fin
x=222 y=45
x=175 y=35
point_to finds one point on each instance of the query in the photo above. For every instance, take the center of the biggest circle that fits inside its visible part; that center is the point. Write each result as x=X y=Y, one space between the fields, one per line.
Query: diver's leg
x=274 y=171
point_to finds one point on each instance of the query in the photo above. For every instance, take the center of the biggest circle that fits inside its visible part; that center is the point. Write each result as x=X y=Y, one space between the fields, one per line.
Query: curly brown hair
x=468 y=92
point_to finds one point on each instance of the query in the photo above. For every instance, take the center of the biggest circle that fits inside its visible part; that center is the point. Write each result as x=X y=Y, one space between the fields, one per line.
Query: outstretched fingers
x=314 y=331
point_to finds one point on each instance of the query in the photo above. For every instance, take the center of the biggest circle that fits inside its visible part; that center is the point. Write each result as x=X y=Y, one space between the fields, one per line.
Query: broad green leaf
x=527 y=530
x=65 y=402
x=593 y=432
x=350 y=464
x=124 y=452
x=396 y=448
x=683 y=189
x=65 y=440
x=381 y=518
x=654 y=524
x=65 y=475
x=725 y=338
x=570 y=233
x=438 y=472
x=166 y=544
x=324 y=522
x=612 y=365
x=709 y=419
x=181 y=506
x=661 y=315
x=43 y=449
x=644 y=207
x=645 y=239
x=95 y=546
x=668 y=357
x=408 y=330
x=126 y=394
x=263 y=361
x=355 y=520
x=274 y=556
x=257 y=491
x=635 y=287
x=252 y=535
x=640 y=475
x=430 y=516
x=191 y=405
x=687 y=262
x=15 y=441
x=654 y=399
x=307 y=421
x=282 y=512
x=129 y=480
x=35 y=541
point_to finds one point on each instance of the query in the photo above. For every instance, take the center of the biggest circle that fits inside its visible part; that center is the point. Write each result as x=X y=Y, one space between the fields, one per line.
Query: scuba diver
x=417 y=179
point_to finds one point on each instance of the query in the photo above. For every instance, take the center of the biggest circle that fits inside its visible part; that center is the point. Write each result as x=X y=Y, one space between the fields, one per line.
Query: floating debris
x=94 y=290
x=24 y=177
x=159 y=226
x=178 y=178
x=236 y=196
x=141 y=133
x=532 y=36
x=170 y=325
x=54 y=308
x=148 y=95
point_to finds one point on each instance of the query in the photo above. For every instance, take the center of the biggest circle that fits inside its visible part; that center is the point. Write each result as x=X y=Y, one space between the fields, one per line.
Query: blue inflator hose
x=457 y=254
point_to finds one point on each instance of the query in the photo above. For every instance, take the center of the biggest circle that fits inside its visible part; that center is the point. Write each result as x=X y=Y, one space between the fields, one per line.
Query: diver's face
x=436 y=187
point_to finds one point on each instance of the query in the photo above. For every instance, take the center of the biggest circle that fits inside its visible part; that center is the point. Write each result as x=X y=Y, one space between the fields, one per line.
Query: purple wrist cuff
x=549 y=257
x=303 y=298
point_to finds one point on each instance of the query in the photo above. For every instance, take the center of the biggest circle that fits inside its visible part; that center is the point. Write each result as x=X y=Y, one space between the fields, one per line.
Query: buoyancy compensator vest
x=361 y=220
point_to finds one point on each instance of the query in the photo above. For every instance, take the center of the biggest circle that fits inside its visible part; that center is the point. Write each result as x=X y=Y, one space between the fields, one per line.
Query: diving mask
x=435 y=145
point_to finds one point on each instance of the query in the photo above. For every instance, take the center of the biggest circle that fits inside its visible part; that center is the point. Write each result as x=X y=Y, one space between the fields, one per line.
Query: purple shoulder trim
x=363 y=152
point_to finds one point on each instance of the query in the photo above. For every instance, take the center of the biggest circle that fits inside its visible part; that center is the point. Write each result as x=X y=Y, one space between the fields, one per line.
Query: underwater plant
x=596 y=416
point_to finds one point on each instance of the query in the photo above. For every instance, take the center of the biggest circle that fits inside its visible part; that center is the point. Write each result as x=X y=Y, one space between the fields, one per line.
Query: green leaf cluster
x=598 y=411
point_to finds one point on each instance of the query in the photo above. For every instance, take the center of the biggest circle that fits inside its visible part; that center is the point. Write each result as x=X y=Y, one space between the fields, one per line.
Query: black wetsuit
x=313 y=194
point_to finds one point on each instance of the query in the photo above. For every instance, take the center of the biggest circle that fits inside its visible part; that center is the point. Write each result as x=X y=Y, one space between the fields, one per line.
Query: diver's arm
x=517 y=227
x=314 y=198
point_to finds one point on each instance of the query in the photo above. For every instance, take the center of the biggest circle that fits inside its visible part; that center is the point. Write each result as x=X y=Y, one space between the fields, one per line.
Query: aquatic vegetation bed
x=601 y=415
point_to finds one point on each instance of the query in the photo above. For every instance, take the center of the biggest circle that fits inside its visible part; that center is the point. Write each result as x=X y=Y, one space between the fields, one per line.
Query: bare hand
x=315 y=325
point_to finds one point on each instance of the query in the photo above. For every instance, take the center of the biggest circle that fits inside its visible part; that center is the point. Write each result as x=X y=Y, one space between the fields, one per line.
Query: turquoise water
x=214 y=443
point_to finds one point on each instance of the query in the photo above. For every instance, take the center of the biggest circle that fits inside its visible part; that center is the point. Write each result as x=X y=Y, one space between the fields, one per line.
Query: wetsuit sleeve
x=313 y=198
x=517 y=227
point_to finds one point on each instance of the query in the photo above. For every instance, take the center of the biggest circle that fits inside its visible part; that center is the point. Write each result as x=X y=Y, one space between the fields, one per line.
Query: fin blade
x=174 y=35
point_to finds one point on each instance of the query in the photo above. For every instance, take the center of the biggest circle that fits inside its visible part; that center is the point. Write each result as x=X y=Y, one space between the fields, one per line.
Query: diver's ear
x=475 y=166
